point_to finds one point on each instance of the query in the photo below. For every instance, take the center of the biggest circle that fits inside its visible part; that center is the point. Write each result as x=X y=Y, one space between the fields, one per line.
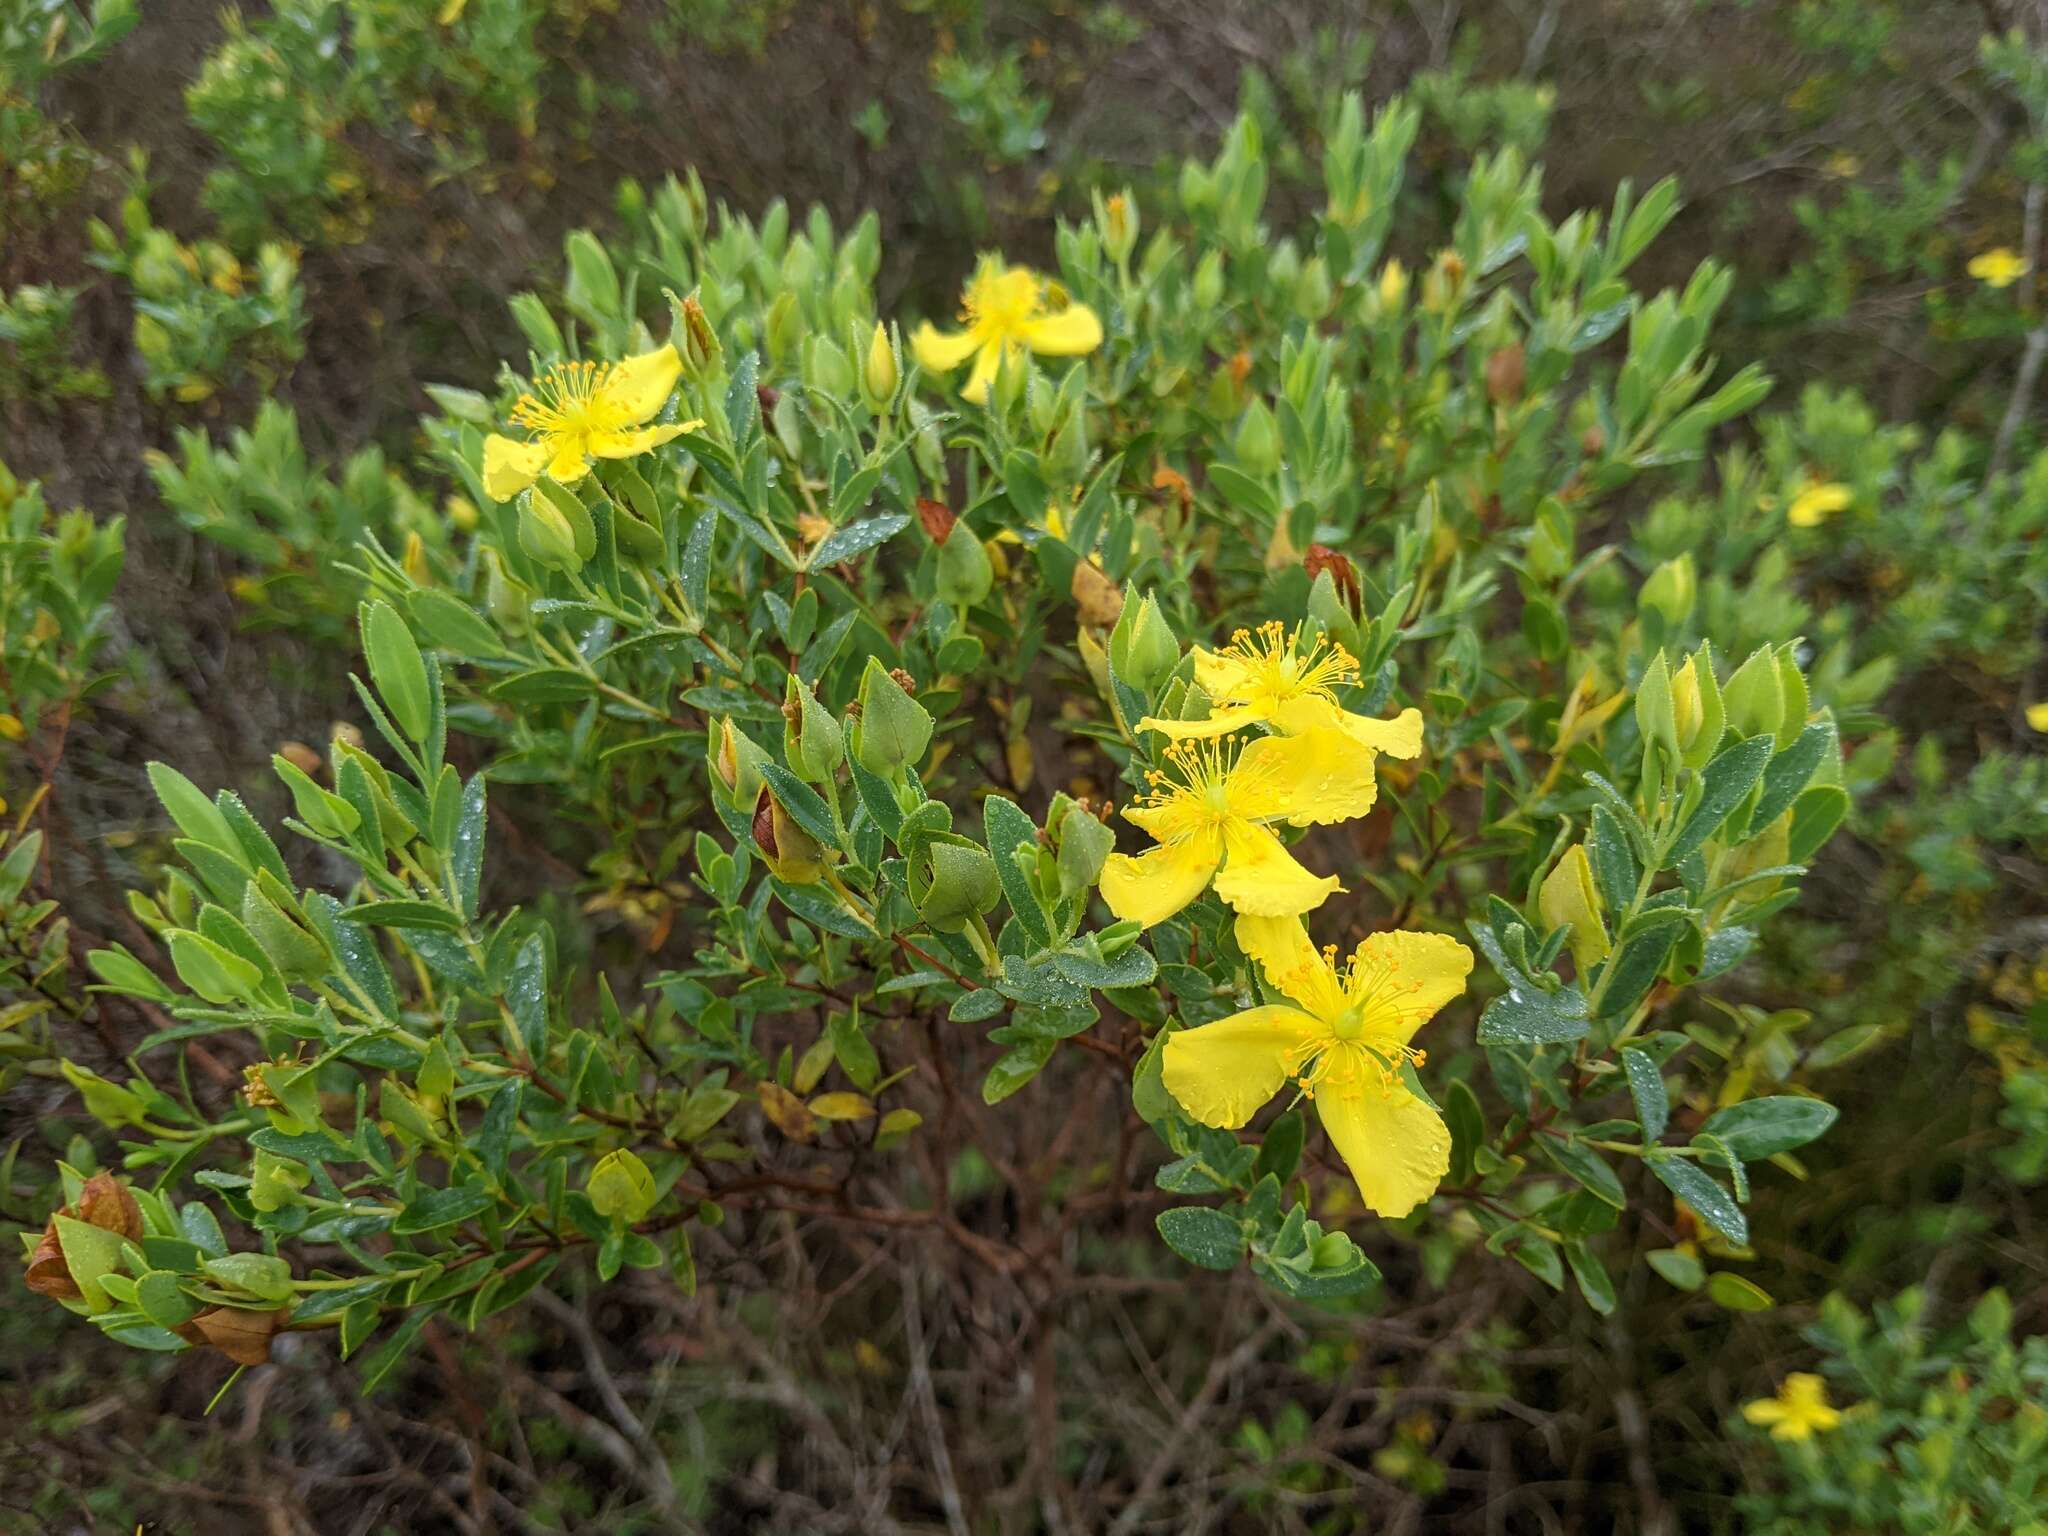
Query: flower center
x=1001 y=301
x=1277 y=669
x=1194 y=786
x=570 y=399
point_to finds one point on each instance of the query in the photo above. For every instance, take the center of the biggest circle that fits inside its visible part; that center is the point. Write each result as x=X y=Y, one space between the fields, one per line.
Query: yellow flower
x=2000 y=267
x=583 y=411
x=1211 y=812
x=1264 y=677
x=1344 y=1038
x=2037 y=717
x=1005 y=314
x=1800 y=1408
x=1816 y=503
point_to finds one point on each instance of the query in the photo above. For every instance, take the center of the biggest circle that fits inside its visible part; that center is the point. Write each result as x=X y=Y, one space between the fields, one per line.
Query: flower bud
x=1393 y=286
x=793 y=856
x=1656 y=719
x=620 y=1187
x=1569 y=896
x=697 y=344
x=1312 y=290
x=1505 y=372
x=275 y=1181
x=240 y=1334
x=1144 y=647
x=881 y=373
x=1257 y=445
x=546 y=535
x=960 y=884
x=1670 y=591
x=735 y=761
x=1321 y=560
x=964 y=574
x=1754 y=700
x=1208 y=282
x=1117 y=217
x=1085 y=845
x=812 y=739
x=1696 y=708
x=894 y=729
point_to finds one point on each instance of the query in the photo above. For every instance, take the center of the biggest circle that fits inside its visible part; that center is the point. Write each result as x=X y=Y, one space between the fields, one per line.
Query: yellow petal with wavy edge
x=639 y=387
x=1262 y=879
x=1312 y=779
x=940 y=351
x=627 y=445
x=1292 y=963
x=510 y=466
x=1404 y=978
x=1396 y=1146
x=1153 y=886
x=1222 y=1072
x=1398 y=737
x=1221 y=723
x=1068 y=333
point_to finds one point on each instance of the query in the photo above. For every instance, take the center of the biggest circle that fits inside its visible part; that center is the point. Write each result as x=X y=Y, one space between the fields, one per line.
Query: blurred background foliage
x=235 y=249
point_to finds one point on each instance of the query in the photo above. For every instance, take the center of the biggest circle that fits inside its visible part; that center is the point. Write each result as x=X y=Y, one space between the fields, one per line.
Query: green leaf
x=1527 y=1015
x=1681 y=1269
x=1595 y=1284
x=1646 y=1087
x=1632 y=969
x=1202 y=1235
x=526 y=996
x=1014 y=1068
x=1614 y=867
x=393 y=1351
x=216 y=974
x=1762 y=1128
x=1790 y=772
x=1815 y=815
x=1009 y=829
x=1585 y=1167
x=402 y=914
x=856 y=539
x=197 y=817
x=91 y=1254
x=1468 y=1128
x=803 y=803
x=1726 y=780
x=1693 y=1185
x=1737 y=1294
x=397 y=668
x=433 y=1209
x=1280 y=1150
x=161 y=1296
x=262 y=1275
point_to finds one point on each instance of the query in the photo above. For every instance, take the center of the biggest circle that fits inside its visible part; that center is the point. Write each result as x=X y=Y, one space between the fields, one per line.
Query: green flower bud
x=1258 y=440
x=1208 y=282
x=960 y=885
x=811 y=738
x=793 y=856
x=691 y=335
x=546 y=535
x=1117 y=219
x=881 y=372
x=275 y=1182
x=894 y=729
x=620 y=1187
x=964 y=574
x=734 y=759
x=1696 y=710
x=1754 y=698
x=1143 y=647
x=1656 y=719
x=1312 y=290
x=1671 y=591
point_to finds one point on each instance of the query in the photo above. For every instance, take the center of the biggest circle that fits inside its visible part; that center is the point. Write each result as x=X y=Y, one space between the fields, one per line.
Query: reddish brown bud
x=104 y=1202
x=244 y=1337
x=768 y=396
x=1343 y=574
x=1164 y=479
x=1592 y=442
x=1240 y=368
x=937 y=517
x=48 y=1274
x=1504 y=375
x=764 y=824
x=903 y=680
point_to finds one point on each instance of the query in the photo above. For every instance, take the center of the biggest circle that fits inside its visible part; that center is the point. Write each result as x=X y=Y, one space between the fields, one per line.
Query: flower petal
x=1221 y=723
x=510 y=466
x=1220 y=674
x=940 y=351
x=640 y=386
x=983 y=374
x=1222 y=1072
x=1765 y=1410
x=1068 y=333
x=1398 y=737
x=1260 y=878
x=571 y=459
x=627 y=445
x=1292 y=963
x=1396 y=1146
x=1408 y=976
x=1150 y=888
x=1317 y=777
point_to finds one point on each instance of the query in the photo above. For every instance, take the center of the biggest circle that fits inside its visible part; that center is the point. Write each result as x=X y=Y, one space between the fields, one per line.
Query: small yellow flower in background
x=1999 y=267
x=1265 y=677
x=1816 y=503
x=1211 y=811
x=11 y=728
x=1344 y=1038
x=583 y=411
x=1799 y=1409
x=1005 y=314
x=2037 y=717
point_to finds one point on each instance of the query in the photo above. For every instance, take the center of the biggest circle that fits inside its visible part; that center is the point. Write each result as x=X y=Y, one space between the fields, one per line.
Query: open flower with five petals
x=1267 y=676
x=1800 y=1409
x=1343 y=1037
x=1212 y=807
x=1005 y=312
x=580 y=411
